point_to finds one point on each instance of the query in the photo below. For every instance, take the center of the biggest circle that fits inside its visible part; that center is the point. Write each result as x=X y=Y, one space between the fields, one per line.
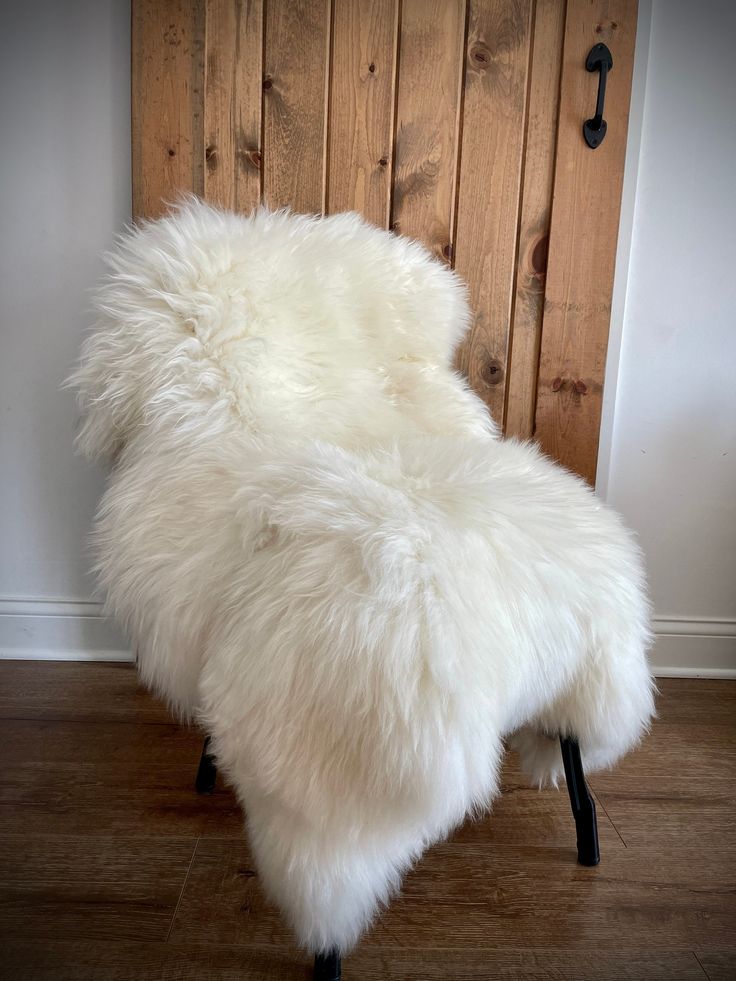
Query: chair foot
x=327 y=966
x=207 y=772
x=583 y=805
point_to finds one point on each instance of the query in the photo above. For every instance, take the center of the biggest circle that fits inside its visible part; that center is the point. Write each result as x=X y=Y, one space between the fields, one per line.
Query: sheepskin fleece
x=323 y=551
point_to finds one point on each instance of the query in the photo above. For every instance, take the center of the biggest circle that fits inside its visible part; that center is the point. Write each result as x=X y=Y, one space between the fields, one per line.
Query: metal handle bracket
x=599 y=60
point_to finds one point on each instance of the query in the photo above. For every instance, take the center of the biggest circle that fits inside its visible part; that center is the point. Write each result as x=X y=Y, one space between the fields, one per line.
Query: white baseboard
x=59 y=630
x=694 y=648
x=76 y=630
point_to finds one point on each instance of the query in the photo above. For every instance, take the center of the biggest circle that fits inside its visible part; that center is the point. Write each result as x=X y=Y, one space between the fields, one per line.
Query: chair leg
x=583 y=805
x=207 y=772
x=327 y=966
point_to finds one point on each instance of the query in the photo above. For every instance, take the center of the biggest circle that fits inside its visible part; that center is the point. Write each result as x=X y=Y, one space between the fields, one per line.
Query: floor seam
x=603 y=808
x=700 y=964
x=183 y=887
x=63 y=720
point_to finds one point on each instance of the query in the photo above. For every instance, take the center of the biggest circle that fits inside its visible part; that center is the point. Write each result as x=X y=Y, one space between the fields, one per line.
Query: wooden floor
x=112 y=868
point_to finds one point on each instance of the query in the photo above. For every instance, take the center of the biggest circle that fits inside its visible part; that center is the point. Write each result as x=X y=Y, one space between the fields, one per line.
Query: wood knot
x=249 y=157
x=480 y=55
x=383 y=162
x=540 y=253
x=447 y=251
x=580 y=387
x=372 y=67
x=557 y=384
x=172 y=153
x=267 y=82
x=606 y=29
x=492 y=372
x=210 y=153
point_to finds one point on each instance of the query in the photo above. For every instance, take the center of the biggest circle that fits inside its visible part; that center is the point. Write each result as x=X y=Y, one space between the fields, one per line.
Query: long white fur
x=323 y=551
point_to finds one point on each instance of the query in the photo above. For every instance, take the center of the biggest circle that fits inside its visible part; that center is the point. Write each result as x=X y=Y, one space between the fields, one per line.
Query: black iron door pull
x=599 y=60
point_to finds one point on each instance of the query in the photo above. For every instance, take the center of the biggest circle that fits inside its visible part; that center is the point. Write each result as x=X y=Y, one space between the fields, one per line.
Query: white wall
x=672 y=464
x=64 y=192
x=668 y=454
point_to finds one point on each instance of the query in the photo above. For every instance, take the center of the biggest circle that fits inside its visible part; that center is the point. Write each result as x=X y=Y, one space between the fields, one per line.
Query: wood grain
x=364 y=50
x=83 y=692
x=469 y=896
x=456 y=122
x=106 y=851
x=223 y=900
x=232 y=104
x=691 y=700
x=719 y=965
x=648 y=792
x=295 y=104
x=95 y=887
x=166 y=102
x=496 y=62
x=582 y=247
x=120 y=961
x=540 y=141
x=570 y=907
x=427 y=119
x=116 y=960
x=107 y=778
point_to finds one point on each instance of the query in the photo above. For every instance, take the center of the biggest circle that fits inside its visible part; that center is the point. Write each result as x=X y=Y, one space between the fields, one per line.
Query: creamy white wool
x=322 y=549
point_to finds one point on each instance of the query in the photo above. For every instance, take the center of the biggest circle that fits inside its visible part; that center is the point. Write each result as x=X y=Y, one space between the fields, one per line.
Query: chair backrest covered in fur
x=322 y=549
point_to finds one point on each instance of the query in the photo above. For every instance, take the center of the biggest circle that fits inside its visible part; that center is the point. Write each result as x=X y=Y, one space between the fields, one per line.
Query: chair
x=326 y=555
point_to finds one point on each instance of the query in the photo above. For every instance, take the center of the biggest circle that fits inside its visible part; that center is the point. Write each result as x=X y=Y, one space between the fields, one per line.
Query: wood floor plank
x=107 y=778
x=533 y=897
x=719 y=965
x=60 y=887
x=520 y=965
x=118 y=961
x=502 y=896
x=526 y=815
x=683 y=757
x=639 y=820
x=79 y=691
x=223 y=901
x=680 y=784
x=99 y=821
x=697 y=700
x=58 y=961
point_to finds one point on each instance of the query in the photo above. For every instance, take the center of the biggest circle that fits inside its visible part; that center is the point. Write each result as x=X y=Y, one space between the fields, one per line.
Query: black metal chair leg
x=207 y=772
x=327 y=966
x=583 y=805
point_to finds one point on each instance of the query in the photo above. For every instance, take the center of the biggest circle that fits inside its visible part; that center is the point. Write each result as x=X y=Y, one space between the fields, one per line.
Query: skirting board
x=71 y=630
x=59 y=630
x=694 y=648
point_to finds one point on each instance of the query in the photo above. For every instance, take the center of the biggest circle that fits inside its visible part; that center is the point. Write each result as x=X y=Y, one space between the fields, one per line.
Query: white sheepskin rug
x=324 y=552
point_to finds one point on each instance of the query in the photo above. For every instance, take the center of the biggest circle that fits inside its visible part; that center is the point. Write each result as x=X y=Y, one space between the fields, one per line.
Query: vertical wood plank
x=497 y=58
x=166 y=102
x=427 y=116
x=232 y=104
x=536 y=205
x=295 y=104
x=584 y=226
x=364 y=50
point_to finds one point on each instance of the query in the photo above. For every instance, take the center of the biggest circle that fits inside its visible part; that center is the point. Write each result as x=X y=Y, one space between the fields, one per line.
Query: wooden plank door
x=458 y=122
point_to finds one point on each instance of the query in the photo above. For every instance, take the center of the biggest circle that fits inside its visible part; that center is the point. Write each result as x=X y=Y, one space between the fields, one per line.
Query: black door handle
x=599 y=59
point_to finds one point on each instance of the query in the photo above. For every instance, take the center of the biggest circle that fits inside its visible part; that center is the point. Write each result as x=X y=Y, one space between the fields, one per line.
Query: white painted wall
x=668 y=454
x=669 y=458
x=64 y=192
